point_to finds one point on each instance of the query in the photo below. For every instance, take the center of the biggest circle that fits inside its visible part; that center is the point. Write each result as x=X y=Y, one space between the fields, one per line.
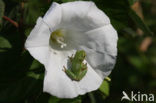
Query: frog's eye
x=84 y=55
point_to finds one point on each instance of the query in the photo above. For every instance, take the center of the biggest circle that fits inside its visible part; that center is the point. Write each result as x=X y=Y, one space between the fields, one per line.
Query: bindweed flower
x=63 y=30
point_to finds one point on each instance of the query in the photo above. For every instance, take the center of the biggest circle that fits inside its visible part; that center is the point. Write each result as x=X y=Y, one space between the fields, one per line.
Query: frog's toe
x=64 y=68
x=70 y=58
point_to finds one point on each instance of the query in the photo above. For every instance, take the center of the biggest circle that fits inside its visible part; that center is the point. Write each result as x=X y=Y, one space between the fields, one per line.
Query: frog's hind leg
x=70 y=74
x=83 y=73
x=84 y=66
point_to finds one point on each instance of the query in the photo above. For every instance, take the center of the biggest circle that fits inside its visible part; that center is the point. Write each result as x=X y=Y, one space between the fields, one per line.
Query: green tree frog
x=78 y=69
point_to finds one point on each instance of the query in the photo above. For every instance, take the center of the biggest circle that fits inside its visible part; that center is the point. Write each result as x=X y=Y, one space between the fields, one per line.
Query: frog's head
x=81 y=55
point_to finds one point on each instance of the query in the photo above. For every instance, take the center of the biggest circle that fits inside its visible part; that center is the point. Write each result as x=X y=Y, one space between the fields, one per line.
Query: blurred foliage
x=21 y=77
x=2 y=6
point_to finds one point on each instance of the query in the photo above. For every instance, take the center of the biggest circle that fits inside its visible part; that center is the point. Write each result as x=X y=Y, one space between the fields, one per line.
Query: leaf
x=2 y=7
x=4 y=44
x=139 y=22
x=116 y=11
x=92 y=97
x=15 y=85
x=136 y=61
x=19 y=90
x=53 y=99
x=33 y=75
x=68 y=0
x=104 y=88
x=139 y=62
x=131 y=2
x=32 y=12
x=74 y=100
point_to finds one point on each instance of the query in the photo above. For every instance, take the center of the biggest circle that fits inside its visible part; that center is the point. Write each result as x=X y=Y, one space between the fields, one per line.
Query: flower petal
x=57 y=83
x=40 y=53
x=101 y=48
x=103 y=39
x=37 y=42
x=39 y=36
x=82 y=16
x=53 y=16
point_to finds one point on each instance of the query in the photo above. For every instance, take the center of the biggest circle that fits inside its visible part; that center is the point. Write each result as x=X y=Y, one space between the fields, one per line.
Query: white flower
x=74 y=26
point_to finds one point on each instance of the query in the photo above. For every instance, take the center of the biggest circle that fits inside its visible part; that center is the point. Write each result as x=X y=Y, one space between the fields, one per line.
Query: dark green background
x=21 y=77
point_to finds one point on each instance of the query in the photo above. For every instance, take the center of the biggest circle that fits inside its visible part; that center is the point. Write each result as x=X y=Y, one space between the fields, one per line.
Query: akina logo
x=137 y=97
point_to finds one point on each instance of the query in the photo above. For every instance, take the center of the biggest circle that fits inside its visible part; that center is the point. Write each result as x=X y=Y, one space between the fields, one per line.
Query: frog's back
x=76 y=65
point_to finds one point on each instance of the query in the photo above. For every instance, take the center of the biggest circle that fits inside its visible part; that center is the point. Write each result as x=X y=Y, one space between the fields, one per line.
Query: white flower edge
x=101 y=51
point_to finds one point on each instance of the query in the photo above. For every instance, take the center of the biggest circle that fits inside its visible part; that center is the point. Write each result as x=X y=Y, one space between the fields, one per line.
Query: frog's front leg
x=84 y=66
x=70 y=73
x=71 y=58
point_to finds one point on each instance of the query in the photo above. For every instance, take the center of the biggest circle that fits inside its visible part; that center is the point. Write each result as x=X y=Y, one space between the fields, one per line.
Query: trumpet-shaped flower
x=63 y=30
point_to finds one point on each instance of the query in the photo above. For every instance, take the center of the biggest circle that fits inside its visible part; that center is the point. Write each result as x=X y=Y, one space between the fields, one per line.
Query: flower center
x=57 y=37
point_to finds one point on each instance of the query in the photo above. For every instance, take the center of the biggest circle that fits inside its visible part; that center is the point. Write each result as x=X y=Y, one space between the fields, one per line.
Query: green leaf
x=4 y=44
x=92 y=97
x=116 y=10
x=131 y=2
x=32 y=12
x=53 y=99
x=68 y=0
x=15 y=85
x=139 y=22
x=104 y=88
x=19 y=90
x=35 y=65
x=33 y=75
x=2 y=7
x=136 y=61
x=74 y=100
x=139 y=62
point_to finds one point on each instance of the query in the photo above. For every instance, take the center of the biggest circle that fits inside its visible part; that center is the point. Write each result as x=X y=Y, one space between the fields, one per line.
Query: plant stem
x=21 y=26
x=92 y=98
x=11 y=21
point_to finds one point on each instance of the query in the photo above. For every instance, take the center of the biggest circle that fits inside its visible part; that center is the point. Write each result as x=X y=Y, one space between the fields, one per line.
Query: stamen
x=58 y=37
x=59 y=40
